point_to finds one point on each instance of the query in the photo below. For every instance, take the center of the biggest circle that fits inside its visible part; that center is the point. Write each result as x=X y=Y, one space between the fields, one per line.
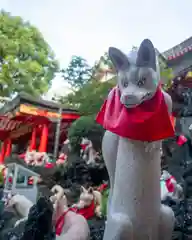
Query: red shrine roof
x=18 y=116
x=178 y=50
x=25 y=104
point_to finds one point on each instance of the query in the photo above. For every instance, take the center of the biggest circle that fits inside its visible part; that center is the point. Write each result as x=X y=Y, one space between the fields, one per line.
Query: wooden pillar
x=57 y=134
x=8 y=147
x=3 y=150
x=44 y=138
x=33 y=140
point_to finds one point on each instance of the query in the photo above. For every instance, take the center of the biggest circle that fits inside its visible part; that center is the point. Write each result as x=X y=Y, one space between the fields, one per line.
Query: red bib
x=150 y=121
x=60 y=223
x=87 y=212
x=169 y=184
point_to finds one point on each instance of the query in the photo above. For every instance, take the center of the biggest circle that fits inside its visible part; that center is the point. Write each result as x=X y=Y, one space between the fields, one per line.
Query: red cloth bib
x=169 y=184
x=87 y=212
x=150 y=121
x=60 y=223
x=83 y=146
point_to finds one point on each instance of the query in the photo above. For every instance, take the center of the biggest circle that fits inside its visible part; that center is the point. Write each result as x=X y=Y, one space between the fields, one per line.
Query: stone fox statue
x=136 y=116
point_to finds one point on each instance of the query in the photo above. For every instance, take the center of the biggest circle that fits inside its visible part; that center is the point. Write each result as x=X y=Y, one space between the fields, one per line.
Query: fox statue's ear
x=83 y=189
x=90 y=190
x=146 y=56
x=118 y=58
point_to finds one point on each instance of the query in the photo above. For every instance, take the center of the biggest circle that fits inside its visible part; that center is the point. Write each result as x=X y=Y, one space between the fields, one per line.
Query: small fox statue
x=69 y=225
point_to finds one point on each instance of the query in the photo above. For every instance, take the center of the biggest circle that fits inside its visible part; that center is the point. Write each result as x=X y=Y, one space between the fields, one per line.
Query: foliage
x=89 y=99
x=74 y=172
x=166 y=73
x=167 y=76
x=85 y=127
x=88 y=93
x=26 y=61
x=78 y=72
x=104 y=60
x=104 y=202
x=134 y=48
x=1 y=178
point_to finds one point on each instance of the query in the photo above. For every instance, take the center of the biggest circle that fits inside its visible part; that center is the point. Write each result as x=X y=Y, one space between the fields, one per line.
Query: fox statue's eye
x=141 y=82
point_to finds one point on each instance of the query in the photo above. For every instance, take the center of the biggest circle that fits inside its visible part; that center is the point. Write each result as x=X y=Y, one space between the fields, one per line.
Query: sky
x=87 y=28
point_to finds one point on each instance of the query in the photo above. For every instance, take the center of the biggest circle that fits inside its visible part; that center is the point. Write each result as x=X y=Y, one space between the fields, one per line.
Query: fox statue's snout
x=133 y=96
x=131 y=100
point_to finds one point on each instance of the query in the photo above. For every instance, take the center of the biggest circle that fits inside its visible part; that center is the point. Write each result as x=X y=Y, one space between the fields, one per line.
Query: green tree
x=89 y=99
x=166 y=73
x=104 y=64
x=88 y=93
x=1 y=178
x=27 y=63
x=106 y=61
x=78 y=73
x=85 y=127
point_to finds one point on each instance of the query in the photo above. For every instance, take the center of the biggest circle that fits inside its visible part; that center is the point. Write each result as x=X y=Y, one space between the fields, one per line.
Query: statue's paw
x=98 y=214
x=20 y=221
x=17 y=223
x=77 y=206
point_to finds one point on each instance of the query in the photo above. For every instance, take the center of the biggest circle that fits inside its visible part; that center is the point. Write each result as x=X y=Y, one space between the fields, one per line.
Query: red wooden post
x=8 y=147
x=44 y=139
x=33 y=140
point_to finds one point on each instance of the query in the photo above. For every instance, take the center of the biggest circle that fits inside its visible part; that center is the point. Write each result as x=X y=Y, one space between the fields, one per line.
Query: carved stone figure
x=136 y=117
x=89 y=203
x=36 y=158
x=88 y=153
x=68 y=224
x=172 y=188
x=61 y=159
x=22 y=206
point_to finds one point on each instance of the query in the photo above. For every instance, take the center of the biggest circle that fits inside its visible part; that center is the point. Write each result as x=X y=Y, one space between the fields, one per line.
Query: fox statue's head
x=137 y=74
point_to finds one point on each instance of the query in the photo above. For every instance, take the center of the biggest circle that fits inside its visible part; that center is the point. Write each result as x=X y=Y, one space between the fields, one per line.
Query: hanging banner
x=9 y=124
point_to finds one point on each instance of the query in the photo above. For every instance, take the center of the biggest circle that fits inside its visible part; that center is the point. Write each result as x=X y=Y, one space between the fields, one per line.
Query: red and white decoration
x=181 y=53
x=62 y=159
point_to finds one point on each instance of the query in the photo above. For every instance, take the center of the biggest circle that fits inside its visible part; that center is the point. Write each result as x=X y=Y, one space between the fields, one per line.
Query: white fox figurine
x=22 y=205
x=172 y=188
x=136 y=117
x=87 y=197
x=69 y=225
